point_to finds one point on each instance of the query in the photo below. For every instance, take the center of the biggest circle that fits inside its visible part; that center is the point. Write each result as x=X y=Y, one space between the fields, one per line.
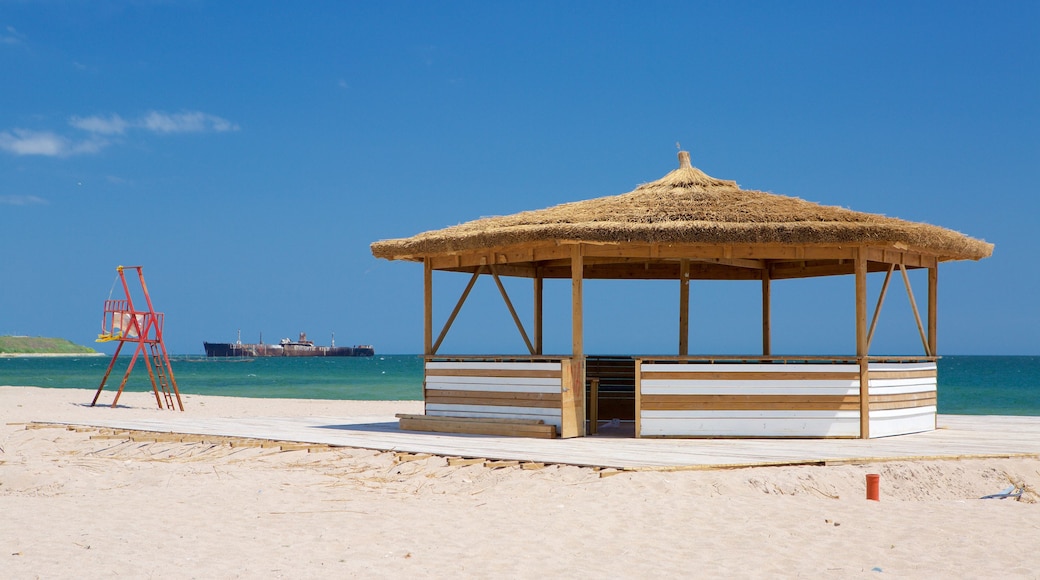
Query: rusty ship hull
x=285 y=348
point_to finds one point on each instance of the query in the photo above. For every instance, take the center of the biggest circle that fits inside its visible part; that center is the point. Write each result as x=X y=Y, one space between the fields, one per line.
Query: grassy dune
x=40 y=345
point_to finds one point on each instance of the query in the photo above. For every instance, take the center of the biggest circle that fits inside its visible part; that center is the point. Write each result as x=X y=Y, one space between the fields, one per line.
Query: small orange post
x=873 y=485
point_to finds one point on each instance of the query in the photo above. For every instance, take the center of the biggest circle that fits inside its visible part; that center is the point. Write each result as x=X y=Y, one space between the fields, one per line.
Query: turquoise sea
x=968 y=385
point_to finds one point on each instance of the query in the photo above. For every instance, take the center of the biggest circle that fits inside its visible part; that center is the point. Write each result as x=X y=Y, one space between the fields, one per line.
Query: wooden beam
x=427 y=307
x=455 y=312
x=512 y=311
x=577 y=322
x=933 y=308
x=877 y=309
x=539 y=287
x=527 y=254
x=574 y=404
x=767 y=315
x=862 y=348
x=684 y=307
x=917 y=314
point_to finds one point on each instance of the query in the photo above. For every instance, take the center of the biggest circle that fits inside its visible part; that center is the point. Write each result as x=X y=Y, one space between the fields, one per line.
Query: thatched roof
x=687 y=206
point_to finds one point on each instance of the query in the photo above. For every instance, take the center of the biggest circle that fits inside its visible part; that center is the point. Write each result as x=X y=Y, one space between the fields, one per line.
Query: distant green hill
x=40 y=345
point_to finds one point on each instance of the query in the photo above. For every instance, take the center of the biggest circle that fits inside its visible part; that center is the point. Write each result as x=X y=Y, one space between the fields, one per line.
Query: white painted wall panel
x=901 y=389
x=724 y=425
x=901 y=421
x=923 y=384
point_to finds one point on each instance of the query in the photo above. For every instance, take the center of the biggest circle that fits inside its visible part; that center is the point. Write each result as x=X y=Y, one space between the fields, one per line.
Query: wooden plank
x=494 y=373
x=470 y=419
x=485 y=398
x=884 y=375
x=961 y=436
x=904 y=397
x=479 y=428
x=489 y=402
x=750 y=403
x=495 y=362
x=461 y=462
x=903 y=404
x=493 y=385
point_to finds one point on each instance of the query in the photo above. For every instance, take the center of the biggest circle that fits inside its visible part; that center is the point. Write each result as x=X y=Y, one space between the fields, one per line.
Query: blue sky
x=247 y=154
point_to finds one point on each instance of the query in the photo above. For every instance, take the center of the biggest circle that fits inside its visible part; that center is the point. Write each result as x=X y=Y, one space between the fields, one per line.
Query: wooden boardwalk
x=958 y=436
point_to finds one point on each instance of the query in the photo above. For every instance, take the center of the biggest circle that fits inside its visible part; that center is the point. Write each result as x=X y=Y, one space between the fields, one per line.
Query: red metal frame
x=122 y=322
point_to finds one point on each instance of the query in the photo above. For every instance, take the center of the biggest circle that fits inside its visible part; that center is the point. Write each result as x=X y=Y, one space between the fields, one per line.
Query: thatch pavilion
x=686 y=225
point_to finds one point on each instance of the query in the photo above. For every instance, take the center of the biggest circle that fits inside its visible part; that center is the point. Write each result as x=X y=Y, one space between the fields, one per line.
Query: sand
x=73 y=506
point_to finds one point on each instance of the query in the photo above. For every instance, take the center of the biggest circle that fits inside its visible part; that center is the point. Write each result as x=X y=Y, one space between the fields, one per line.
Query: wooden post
x=933 y=314
x=767 y=315
x=594 y=406
x=574 y=402
x=539 y=286
x=639 y=389
x=427 y=307
x=684 y=307
x=861 y=342
x=933 y=307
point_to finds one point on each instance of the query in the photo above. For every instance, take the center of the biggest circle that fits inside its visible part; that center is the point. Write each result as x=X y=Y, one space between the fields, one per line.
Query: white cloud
x=24 y=142
x=22 y=200
x=187 y=122
x=100 y=127
x=112 y=125
x=10 y=36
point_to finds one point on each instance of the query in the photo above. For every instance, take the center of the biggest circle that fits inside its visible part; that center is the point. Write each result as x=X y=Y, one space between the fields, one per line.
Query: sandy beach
x=87 y=503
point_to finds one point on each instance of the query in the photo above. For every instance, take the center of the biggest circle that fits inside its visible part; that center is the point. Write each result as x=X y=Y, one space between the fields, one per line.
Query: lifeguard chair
x=124 y=323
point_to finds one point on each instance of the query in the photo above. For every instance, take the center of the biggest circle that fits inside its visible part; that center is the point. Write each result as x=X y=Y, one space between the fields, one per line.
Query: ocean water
x=382 y=377
x=968 y=385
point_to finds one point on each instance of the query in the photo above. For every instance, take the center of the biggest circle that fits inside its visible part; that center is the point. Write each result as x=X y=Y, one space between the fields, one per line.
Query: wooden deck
x=958 y=436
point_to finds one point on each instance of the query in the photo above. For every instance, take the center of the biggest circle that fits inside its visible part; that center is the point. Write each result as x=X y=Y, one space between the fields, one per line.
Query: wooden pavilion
x=684 y=226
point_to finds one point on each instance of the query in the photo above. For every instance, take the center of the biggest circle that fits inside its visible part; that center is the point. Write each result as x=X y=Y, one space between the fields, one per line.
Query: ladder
x=164 y=385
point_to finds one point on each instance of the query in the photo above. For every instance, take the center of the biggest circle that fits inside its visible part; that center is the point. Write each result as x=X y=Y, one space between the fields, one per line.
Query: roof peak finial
x=684 y=160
